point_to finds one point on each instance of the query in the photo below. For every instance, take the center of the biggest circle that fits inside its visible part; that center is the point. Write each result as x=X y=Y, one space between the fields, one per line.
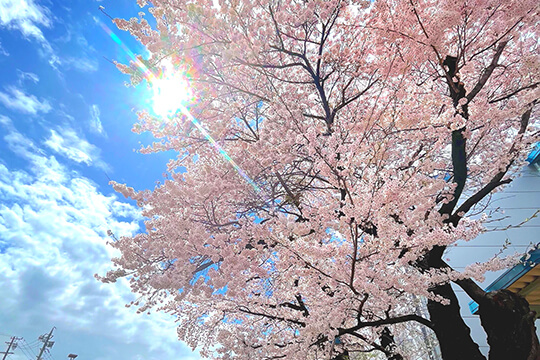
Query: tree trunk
x=389 y=345
x=453 y=334
x=509 y=323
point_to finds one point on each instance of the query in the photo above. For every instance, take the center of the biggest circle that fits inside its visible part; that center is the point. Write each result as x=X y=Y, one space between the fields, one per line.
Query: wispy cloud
x=27 y=76
x=16 y=99
x=28 y=17
x=81 y=63
x=3 y=51
x=53 y=226
x=25 y=16
x=84 y=59
x=6 y=122
x=70 y=146
x=95 y=120
x=19 y=144
x=67 y=143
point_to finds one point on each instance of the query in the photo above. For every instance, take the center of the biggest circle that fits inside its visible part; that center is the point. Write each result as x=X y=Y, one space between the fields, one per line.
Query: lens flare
x=170 y=90
x=171 y=95
x=219 y=149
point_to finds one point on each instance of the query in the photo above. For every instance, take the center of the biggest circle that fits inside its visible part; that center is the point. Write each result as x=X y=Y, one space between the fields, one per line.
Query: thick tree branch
x=487 y=72
x=474 y=291
x=459 y=164
x=497 y=180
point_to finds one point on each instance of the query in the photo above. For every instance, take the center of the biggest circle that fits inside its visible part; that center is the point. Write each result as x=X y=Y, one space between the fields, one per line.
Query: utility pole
x=10 y=344
x=46 y=342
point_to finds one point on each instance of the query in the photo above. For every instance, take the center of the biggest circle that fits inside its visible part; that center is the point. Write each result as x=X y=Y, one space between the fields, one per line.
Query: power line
x=520 y=191
x=41 y=345
x=488 y=246
x=11 y=345
x=20 y=344
x=512 y=208
x=26 y=350
x=29 y=349
x=502 y=227
x=32 y=343
x=46 y=342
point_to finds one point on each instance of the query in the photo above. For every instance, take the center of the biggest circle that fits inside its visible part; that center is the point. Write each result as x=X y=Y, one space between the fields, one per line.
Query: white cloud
x=23 y=76
x=25 y=16
x=16 y=99
x=21 y=145
x=29 y=17
x=6 y=122
x=70 y=146
x=95 y=120
x=67 y=143
x=53 y=226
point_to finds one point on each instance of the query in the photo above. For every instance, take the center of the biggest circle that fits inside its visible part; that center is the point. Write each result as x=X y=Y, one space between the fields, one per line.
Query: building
x=512 y=229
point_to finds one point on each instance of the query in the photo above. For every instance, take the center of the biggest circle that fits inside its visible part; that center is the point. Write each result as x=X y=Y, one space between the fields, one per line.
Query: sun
x=171 y=91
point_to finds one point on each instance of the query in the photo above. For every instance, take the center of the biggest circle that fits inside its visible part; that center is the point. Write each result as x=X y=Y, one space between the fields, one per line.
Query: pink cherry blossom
x=347 y=144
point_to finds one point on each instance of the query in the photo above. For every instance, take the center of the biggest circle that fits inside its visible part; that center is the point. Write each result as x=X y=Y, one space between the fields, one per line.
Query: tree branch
x=474 y=291
x=497 y=179
x=273 y=317
x=487 y=72
x=389 y=321
x=459 y=164
x=531 y=86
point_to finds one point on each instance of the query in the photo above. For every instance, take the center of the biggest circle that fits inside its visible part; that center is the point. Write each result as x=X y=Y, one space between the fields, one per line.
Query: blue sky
x=65 y=120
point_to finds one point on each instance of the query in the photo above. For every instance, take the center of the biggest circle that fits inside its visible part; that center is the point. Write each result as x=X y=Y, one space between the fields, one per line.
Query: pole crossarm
x=46 y=343
x=11 y=345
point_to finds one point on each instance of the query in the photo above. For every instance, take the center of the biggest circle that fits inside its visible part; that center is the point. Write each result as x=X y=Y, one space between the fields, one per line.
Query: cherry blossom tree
x=332 y=152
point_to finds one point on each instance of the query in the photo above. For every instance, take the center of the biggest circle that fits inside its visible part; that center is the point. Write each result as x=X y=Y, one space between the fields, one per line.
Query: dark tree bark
x=509 y=323
x=453 y=334
x=389 y=344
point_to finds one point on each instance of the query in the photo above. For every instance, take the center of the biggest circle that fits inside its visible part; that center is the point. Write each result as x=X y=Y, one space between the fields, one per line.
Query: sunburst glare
x=172 y=94
x=170 y=90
